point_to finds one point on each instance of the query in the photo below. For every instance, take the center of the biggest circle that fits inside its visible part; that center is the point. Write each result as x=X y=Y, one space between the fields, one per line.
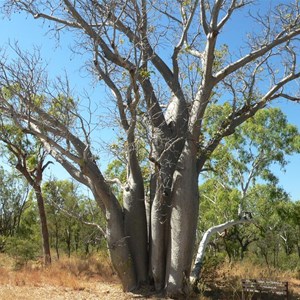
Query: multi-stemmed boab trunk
x=168 y=96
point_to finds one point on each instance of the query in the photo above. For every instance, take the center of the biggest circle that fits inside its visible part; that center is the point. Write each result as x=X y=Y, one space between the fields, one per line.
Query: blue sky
x=29 y=32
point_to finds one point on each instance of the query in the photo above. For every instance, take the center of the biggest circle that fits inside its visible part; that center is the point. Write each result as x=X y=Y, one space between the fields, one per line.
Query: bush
x=290 y=262
x=22 y=250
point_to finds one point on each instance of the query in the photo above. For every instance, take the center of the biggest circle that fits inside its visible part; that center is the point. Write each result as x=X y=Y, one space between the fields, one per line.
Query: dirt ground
x=75 y=279
x=105 y=291
x=88 y=291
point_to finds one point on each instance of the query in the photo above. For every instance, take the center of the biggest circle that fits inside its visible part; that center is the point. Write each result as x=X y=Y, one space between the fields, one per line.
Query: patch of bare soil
x=47 y=292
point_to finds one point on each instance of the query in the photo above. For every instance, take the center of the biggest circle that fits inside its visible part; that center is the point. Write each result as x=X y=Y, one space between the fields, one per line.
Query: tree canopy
x=165 y=66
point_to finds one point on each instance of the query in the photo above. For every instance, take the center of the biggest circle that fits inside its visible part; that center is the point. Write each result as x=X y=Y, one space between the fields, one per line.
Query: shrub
x=22 y=250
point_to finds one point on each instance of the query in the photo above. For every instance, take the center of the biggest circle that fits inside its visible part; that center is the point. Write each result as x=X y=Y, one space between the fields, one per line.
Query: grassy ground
x=225 y=282
x=93 y=278
x=72 y=278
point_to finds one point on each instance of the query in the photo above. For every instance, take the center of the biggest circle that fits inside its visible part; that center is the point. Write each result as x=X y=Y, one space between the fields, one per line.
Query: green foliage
x=22 y=249
x=258 y=144
x=220 y=57
x=13 y=196
x=214 y=116
x=61 y=108
x=8 y=92
x=145 y=73
x=29 y=227
x=240 y=172
x=67 y=210
x=217 y=203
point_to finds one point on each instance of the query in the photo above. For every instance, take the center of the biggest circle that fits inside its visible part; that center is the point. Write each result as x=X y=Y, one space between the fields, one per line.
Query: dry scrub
x=224 y=282
x=72 y=278
x=93 y=278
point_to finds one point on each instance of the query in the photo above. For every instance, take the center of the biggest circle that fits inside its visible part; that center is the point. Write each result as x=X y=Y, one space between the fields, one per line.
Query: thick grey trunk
x=136 y=227
x=149 y=204
x=160 y=215
x=117 y=241
x=183 y=224
x=204 y=242
x=158 y=240
x=118 y=247
x=135 y=222
x=169 y=140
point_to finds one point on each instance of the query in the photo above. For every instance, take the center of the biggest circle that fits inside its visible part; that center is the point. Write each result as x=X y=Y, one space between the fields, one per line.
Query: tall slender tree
x=28 y=157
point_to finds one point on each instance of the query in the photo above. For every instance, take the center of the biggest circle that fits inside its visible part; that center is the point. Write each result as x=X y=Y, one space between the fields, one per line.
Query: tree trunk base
x=148 y=291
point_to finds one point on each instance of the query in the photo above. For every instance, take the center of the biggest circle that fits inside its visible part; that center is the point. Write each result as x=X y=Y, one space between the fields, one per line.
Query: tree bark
x=158 y=240
x=204 y=242
x=136 y=227
x=183 y=223
x=43 y=223
x=118 y=247
x=117 y=241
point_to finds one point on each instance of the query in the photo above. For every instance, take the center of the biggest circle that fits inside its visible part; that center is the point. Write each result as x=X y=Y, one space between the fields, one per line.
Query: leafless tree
x=165 y=63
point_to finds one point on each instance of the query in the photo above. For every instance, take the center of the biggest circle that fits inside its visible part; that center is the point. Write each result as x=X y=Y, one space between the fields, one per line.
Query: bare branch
x=56 y=20
x=203 y=17
x=255 y=54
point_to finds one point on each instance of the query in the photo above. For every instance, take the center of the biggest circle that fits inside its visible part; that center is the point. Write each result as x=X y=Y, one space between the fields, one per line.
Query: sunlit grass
x=67 y=272
x=220 y=281
x=226 y=278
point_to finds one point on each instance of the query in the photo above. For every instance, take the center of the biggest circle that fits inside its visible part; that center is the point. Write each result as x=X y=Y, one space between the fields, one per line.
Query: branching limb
x=285 y=37
x=204 y=242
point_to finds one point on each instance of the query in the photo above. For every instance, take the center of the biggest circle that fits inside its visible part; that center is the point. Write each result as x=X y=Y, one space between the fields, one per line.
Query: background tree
x=29 y=157
x=13 y=197
x=233 y=170
x=289 y=214
x=169 y=93
x=72 y=218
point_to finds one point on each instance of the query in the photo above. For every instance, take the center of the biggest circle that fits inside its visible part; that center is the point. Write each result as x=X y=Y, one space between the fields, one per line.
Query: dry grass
x=225 y=281
x=66 y=272
x=93 y=278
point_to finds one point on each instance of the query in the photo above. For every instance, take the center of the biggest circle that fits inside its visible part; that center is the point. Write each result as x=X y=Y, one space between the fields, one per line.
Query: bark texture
x=183 y=224
x=136 y=226
x=195 y=274
x=44 y=226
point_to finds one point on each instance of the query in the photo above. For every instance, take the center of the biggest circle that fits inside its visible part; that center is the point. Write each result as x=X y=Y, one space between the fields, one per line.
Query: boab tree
x=165 y=64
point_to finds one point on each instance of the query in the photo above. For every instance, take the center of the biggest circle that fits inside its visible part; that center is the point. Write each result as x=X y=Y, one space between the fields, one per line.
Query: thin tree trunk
x=56 y=241
x=68 y=241
x=35 y=179
x=44 y=226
